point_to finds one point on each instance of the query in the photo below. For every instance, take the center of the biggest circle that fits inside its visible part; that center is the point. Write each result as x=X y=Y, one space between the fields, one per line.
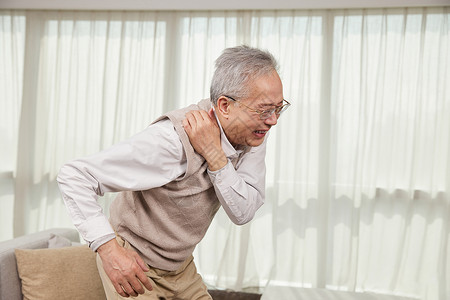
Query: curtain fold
x=390 y=199
x=12 y=45
x=358 y=168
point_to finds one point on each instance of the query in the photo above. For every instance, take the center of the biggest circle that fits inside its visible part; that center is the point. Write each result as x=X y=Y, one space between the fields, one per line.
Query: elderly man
x=173 y=178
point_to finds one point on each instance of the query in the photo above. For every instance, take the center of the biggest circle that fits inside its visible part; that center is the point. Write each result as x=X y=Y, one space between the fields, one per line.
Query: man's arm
x=240 y=190
x=139 y=163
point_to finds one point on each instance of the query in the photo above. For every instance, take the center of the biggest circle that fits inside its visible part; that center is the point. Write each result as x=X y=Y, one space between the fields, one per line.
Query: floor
x=286 y=293
x=229 y=295
x=291 y=293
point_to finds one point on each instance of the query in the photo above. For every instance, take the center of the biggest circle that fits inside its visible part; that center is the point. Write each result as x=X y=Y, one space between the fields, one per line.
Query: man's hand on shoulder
x=204 y=134
x=125 y=268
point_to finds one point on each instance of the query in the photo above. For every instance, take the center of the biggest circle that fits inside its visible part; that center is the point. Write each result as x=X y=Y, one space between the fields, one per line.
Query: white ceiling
x=212 y=5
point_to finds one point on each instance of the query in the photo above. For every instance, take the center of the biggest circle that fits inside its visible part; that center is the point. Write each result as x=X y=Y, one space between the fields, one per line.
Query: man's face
x=243 y=126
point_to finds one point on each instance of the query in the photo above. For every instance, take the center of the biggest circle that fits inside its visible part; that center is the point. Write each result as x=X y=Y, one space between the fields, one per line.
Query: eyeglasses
x=265 y=114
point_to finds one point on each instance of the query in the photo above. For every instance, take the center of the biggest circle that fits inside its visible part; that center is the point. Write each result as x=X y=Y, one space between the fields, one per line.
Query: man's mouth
x=260 y=133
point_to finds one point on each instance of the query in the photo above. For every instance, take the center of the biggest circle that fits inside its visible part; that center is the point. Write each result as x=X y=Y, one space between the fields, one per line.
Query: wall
x=211 y=5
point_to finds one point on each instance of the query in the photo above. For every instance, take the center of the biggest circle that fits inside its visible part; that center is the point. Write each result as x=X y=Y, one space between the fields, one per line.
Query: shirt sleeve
x=241 y=189
x=149 y=159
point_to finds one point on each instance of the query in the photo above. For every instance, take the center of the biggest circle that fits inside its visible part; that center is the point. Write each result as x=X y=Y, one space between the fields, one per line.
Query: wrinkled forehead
x=266 y=91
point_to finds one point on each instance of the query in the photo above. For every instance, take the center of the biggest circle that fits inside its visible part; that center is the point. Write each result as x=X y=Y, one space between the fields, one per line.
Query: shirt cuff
x=100 y=241
x=96 y=231
x=225 y=176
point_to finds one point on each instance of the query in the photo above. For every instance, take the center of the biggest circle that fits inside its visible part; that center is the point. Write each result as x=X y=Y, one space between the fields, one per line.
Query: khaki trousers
x=182 y=284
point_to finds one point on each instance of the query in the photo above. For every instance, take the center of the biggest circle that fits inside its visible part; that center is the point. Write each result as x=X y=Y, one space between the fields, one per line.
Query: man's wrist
x=217 y=163
x=95 y=245
x=107 y=247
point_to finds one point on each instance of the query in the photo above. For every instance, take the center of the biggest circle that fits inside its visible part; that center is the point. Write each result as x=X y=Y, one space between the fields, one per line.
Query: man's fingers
x=190 y=120
x=140 y=275
x=141 y=262
x=146 y=282
x=129 y=290
x=195 y=116
x=120 y=290
x=211 y=115
x=130 y=287
x=135 y=286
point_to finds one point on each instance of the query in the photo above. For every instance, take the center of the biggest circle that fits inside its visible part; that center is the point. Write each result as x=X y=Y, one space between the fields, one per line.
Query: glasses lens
x=283 y=108
x=268 y=113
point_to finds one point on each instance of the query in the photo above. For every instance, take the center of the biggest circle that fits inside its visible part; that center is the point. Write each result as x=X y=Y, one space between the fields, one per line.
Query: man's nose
x=272 y=120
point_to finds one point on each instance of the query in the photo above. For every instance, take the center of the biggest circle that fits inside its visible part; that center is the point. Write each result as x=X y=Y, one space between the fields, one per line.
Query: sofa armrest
x=10 y=286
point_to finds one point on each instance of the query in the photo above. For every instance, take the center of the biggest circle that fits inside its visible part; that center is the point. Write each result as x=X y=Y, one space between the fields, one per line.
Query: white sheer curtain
x=12 y=40
x=388 y=224
x=358 y=168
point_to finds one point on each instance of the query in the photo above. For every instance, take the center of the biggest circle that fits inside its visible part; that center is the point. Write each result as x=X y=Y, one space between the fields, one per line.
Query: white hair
x=236 y=68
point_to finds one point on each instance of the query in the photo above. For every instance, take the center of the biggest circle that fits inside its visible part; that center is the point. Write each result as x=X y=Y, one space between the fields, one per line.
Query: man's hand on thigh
x=125 y=268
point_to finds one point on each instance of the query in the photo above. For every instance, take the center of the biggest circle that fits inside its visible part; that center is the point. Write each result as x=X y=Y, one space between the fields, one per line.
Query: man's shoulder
x=165 y=129
x=179 y=113
x=204 y=104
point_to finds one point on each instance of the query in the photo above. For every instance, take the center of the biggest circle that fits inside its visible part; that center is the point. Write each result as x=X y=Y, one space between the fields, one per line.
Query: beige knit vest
x=165 y=224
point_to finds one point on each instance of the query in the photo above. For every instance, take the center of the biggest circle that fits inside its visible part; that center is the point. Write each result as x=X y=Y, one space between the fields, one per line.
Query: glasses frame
x=265 y=114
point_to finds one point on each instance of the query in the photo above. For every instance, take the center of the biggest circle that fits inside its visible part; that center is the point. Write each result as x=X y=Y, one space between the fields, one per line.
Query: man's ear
x=223 y=106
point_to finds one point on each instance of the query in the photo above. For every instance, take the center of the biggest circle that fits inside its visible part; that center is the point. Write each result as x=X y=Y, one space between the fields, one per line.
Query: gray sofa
x=10 y=286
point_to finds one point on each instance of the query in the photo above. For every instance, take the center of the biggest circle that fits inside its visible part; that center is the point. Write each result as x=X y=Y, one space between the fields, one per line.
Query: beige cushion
x=64 y=273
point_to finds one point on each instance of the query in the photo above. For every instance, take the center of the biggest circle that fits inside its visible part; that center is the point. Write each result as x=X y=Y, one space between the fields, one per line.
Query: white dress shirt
x=151 y=159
